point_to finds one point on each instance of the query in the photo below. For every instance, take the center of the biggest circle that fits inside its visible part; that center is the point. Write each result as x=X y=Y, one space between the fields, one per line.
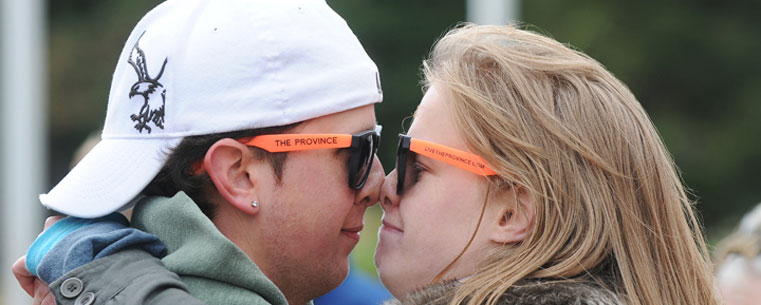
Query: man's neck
x=296 y=293
x=296 y=301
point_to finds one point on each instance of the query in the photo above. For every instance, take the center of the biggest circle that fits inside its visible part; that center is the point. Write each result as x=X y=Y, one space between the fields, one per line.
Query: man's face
x=312 y=218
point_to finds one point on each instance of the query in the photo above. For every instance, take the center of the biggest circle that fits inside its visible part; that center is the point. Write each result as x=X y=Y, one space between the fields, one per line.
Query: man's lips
x=353 y=229
x=352 y=232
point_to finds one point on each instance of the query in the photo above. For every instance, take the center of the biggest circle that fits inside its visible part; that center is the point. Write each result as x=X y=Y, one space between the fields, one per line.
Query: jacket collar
x=525 y=292
x=214 y=269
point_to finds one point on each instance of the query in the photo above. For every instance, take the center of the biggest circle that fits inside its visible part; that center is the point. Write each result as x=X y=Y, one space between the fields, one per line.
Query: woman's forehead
x=433 y=120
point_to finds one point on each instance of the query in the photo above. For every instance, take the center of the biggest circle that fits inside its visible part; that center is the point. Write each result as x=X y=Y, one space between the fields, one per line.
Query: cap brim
x=109 y=176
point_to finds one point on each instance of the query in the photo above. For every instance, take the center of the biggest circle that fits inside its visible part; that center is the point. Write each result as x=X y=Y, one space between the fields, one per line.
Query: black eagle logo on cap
x=149 y=88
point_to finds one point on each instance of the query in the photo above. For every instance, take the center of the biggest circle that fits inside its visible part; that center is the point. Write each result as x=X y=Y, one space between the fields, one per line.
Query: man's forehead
x=369 y=126
x=366 y=124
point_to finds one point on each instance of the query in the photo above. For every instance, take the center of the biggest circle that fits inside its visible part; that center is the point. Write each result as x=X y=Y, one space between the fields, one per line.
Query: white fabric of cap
x=193 y=67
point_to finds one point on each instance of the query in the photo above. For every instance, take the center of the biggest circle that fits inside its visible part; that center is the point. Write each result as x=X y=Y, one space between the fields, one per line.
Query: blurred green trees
x=694 y=66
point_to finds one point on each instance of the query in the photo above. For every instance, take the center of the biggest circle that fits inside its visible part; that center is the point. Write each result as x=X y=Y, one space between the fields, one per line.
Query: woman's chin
x=380 y=256
x=392 y=284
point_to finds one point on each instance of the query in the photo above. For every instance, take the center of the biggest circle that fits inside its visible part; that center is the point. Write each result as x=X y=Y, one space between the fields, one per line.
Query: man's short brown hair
x=178 y=171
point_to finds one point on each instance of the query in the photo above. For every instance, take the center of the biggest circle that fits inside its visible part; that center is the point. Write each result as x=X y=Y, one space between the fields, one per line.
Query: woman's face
x=429 y=225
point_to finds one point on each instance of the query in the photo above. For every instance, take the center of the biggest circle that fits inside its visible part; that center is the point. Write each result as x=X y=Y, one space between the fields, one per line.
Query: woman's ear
x=514 y=217
x=229 y=165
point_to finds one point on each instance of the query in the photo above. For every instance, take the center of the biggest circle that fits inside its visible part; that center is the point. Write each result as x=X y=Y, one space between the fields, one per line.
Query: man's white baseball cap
x=194 y=67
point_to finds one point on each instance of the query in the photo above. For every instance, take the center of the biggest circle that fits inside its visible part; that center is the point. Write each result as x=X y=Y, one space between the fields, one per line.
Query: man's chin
x=333 y=278
x=347 y=243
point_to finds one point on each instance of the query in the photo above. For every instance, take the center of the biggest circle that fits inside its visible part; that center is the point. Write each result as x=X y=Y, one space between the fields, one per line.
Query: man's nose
x=388 y=196
x=370 y=192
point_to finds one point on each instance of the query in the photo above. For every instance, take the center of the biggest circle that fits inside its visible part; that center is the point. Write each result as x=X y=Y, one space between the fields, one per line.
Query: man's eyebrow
x=365 y=128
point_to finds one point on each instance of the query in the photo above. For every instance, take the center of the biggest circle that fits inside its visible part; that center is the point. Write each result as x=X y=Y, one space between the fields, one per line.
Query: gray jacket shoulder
x=130 y=277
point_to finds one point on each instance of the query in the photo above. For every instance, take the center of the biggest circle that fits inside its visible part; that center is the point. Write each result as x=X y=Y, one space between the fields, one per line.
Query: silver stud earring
x=255 y=203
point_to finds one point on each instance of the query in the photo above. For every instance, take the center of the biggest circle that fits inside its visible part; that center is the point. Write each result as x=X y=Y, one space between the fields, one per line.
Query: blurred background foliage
x=694 y=66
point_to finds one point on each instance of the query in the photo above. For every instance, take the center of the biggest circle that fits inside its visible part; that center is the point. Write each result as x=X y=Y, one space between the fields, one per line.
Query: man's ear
x=229 y=164
x=516 y=213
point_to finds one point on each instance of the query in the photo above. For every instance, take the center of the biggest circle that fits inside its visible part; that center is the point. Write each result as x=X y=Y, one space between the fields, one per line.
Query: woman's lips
x=390 y=228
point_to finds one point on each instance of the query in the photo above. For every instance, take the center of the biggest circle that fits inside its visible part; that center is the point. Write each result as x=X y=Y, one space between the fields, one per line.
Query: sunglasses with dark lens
x=409 y=148
x=362 y=146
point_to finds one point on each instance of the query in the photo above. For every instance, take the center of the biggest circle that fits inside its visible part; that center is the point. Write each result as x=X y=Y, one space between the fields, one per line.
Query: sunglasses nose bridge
x=363 y=156
x=402 y=152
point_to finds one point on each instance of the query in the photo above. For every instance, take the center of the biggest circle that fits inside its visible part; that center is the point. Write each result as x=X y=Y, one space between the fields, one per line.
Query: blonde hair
x=744 y=242
x=610 y=204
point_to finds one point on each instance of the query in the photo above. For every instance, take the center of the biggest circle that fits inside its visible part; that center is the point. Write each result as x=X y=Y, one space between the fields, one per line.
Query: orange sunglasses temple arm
x=462 y=159
x=296 y=142
x=290 y=142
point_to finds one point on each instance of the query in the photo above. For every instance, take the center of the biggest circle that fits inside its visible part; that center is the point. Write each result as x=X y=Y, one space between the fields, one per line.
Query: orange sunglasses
x=363 y=147
x=405 y=159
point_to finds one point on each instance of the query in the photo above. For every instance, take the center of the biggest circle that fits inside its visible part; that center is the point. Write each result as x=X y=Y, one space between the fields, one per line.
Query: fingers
x=24 y=278
x=33 y=286
x=42 y=294
x=51 y=220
